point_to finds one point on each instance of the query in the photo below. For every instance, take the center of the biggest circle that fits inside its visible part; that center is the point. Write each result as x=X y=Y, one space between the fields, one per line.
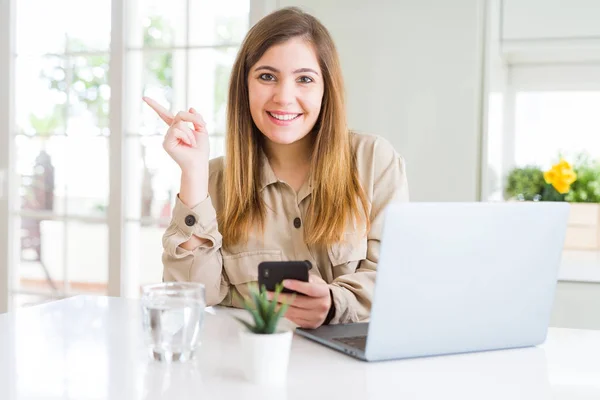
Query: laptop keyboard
x=358 y=342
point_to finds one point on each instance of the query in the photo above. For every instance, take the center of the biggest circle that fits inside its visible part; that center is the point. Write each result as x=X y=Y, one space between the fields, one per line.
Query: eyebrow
x=300 y=70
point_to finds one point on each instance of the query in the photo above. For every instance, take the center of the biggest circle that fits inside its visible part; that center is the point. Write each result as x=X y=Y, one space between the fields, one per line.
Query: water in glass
x=172 y=318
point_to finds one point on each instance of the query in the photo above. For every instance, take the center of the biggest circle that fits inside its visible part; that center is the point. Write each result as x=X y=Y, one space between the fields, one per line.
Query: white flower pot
x=265 y=357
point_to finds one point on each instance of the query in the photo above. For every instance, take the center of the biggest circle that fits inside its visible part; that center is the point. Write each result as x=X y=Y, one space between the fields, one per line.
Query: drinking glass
x=173 y=313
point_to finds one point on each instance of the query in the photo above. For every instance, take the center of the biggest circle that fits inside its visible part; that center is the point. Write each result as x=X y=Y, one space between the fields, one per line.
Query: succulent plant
x=265 y=313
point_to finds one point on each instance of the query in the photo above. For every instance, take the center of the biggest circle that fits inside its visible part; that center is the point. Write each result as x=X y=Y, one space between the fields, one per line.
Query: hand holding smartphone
x=270 y=273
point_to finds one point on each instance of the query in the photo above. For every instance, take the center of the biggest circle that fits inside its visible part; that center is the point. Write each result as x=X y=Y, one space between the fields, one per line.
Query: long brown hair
x=336 y=190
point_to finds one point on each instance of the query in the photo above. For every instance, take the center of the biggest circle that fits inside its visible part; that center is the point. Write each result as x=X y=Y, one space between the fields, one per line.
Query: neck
x=289 y=156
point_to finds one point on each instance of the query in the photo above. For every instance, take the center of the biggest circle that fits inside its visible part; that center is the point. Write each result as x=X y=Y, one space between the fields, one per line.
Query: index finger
x=162 y=112
x=307 y=288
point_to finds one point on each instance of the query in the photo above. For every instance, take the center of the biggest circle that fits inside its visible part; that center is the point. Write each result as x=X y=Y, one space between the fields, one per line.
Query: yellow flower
x=561 y=176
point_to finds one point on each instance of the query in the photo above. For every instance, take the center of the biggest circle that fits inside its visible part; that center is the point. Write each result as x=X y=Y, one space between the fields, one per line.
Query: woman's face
x=286 y=90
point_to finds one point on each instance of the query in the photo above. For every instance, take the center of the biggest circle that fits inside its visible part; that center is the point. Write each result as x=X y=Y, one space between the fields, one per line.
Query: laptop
x=457 y=278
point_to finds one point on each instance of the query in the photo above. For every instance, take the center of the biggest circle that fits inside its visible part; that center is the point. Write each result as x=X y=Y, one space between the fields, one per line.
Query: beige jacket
x=348 y=267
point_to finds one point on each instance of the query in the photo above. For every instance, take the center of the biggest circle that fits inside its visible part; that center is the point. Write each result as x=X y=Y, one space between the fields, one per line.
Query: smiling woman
x=295 y=183
x=286 y=96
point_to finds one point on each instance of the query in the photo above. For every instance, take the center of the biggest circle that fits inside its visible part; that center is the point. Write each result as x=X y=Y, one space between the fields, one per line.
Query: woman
x=295 y=184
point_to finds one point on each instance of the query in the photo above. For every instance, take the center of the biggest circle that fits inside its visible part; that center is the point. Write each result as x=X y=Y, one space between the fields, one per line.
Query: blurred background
x=78 y=124
x=481 y=97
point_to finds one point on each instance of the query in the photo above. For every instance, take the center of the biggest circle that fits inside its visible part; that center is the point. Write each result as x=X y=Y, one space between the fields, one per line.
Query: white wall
x=413 y=71
x=542 y=31
x=550 y=19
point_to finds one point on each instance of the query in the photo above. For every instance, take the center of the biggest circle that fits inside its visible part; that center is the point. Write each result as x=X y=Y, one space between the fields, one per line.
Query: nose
x=284 y=93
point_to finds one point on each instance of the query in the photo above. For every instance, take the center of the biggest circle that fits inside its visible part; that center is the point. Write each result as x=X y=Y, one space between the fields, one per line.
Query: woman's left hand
x=310 y=306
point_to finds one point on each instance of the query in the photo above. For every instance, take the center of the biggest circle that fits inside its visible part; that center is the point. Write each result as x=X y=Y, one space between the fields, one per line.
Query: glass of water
x=173 y=313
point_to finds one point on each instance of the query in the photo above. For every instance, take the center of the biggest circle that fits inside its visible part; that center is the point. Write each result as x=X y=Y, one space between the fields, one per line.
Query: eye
x=267 y=77
x=305 y=79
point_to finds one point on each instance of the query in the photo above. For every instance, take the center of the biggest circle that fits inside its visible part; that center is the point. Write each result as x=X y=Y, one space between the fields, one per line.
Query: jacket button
x=297 y=222
x=190 y=220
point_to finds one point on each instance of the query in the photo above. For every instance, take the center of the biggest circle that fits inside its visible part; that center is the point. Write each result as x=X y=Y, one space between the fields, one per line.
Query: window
x=180 y=53
x=185 y=61
x=61 y=141
x=550 y=123
x=544 y=111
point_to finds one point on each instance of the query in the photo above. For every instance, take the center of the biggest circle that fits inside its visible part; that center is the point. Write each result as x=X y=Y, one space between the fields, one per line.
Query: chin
x=284 y=137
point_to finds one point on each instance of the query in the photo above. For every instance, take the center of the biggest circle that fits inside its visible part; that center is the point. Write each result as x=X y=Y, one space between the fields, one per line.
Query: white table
x=92 y=348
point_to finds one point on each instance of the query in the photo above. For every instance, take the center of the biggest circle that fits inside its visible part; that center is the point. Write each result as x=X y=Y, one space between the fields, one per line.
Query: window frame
x=7 y=66
x=123 y=258
x=535 y=77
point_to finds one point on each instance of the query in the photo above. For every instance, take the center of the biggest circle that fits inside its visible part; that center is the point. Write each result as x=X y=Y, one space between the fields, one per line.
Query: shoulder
x=373 y=152
x=381 y=169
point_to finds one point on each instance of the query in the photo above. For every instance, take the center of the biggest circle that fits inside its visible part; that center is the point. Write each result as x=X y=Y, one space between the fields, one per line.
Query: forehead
x=291 y=55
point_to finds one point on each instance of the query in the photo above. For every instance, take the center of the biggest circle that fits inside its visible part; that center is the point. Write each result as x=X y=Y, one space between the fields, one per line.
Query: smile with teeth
x=284 y=117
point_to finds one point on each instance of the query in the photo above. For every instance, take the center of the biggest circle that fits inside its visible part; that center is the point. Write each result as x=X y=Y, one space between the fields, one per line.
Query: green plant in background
x=549 y=193
x=45 y=125
x=264 y=312
x=158 y=33
x=86 y=79
x=577 y=184
x=525 y=183
x=586 y=189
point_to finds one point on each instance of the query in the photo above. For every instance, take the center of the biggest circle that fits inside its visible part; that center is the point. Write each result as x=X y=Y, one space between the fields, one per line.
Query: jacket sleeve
x=203 y=264
x=352 y=293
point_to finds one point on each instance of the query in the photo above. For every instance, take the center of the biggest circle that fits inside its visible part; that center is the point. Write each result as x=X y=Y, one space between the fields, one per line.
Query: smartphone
x=270 y=273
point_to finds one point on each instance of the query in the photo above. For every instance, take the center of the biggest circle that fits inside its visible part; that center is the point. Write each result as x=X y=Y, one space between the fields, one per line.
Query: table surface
x=89 y=347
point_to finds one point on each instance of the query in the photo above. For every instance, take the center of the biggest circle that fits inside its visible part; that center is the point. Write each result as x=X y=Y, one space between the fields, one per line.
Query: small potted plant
x=578 y=184
x=265 y=348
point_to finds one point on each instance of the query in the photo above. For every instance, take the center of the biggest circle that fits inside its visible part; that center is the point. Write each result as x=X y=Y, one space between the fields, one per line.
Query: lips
x=283 y=119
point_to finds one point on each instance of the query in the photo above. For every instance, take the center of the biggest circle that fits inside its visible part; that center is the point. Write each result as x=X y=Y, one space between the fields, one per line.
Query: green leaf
x=272 y=305
x=258 y=320
x=526 y=183
x=586 y=189
x=263 y=311
x=273 y=318
x=550 y=194
x=246 y=324
x=261 y=304
x=273 y=323
x=264 y=300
